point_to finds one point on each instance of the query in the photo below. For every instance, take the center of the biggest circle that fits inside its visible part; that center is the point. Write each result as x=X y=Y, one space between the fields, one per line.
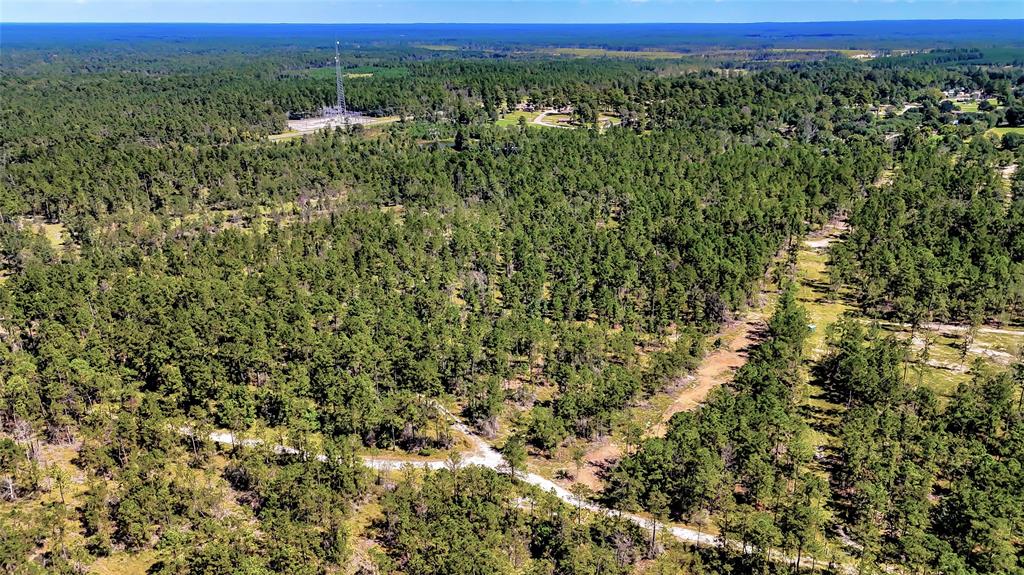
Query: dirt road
x=717 y=368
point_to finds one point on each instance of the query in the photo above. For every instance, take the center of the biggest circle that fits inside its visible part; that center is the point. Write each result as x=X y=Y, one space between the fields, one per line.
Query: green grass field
x=557 y=119
x=823 y=309
x=973 y=106
x=1006 y=130
x=512 y=118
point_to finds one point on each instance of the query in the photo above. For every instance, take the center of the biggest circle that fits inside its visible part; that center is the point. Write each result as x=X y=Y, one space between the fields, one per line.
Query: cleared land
x=687 y=392
x=717 y=368
x=56 y=233
x=297 y=128
x=824 y=307
x=1006 y=130
x=437 y=47
x=512 y=118
x=605 y=53
x=972 y=106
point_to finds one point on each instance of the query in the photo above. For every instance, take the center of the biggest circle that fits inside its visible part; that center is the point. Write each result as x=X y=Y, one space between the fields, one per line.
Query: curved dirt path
x=688 y=392
x=716 y=369
x=539 y=120
x=484 y=455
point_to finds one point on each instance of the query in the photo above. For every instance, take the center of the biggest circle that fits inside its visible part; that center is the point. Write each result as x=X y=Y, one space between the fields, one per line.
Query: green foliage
x=476 y=522
x=741 y=452
x=340 y=287
x=916 y=483
x=937 y=243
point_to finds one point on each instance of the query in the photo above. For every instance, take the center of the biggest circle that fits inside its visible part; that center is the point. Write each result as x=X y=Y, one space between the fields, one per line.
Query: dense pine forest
x=228 y=351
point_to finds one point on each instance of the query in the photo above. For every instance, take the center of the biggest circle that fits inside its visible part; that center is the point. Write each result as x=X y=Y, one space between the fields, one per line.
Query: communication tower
x=340 y=108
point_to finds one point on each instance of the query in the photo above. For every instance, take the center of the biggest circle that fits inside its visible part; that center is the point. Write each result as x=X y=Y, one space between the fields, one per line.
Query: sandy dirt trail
x=717 y=368
x=484 y=455
x=539 y=120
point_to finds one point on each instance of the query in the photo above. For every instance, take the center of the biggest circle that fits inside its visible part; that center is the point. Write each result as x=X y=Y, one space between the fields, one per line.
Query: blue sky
x=501 y=11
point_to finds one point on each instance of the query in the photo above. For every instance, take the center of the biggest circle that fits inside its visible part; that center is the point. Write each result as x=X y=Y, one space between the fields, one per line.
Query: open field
x=606 y=53
x=437 y=47
x=773 y=54
x=56 y=233
x=823 y=308
x=305 y=126
x=973 y=106
x=1006 y=130
x=125 y=564
x=512 y=118
x=555 y=119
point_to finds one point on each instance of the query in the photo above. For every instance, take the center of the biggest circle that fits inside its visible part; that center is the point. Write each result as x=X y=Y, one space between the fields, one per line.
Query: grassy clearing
x=813 y=291
x=1006 y=130
x=437 y=47
x=973 y=105
x=606 y=53
x=56 y=233
x=555 y=120
x=359 y=526
x=124 y=563
x=512 y=118
x=285 y=136
x=823 y=309
x=941 y=381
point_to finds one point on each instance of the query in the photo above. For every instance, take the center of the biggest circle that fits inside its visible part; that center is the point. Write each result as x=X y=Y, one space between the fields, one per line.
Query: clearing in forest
x=609 y=53
x=55 y=233
x=1006 y=130
x=512 y=118
x=716 y=368
x=946 y=366
x=823 y=305
x=297 y=128
x=972 y=106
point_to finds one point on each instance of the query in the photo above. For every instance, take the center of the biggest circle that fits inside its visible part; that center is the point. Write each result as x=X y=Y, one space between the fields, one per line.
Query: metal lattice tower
x=340 y=108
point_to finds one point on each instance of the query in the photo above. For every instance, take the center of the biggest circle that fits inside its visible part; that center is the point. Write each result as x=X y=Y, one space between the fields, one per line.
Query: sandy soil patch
x=717 y=368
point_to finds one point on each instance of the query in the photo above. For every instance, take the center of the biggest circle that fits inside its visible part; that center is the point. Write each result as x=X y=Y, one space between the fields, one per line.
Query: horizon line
x=619 y=23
